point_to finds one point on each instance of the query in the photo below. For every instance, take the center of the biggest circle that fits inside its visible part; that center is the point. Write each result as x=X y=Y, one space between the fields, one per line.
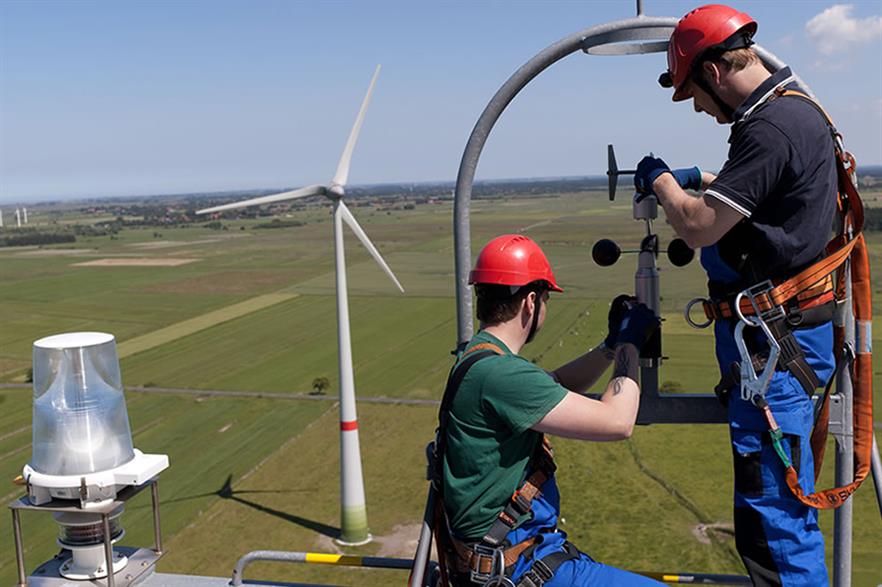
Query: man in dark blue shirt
x=767 y=215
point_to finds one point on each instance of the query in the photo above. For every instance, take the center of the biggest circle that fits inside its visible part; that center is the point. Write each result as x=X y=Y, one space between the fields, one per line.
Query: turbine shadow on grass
x=227 y=492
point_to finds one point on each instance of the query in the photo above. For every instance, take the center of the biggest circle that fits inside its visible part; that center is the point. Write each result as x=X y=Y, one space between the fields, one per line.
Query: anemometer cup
x=679 y=253
x=605 y=252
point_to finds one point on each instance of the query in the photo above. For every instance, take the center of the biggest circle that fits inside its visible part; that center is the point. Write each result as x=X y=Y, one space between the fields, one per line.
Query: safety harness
x=807 y=298
x=490 y=561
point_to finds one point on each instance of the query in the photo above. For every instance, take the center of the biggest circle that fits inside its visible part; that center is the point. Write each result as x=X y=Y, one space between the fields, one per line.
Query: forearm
x=689 y=216
x=584 y=371
x=610 y=418
x=622 y=393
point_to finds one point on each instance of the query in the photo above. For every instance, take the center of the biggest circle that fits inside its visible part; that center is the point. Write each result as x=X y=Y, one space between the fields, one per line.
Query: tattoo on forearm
x=623 y=369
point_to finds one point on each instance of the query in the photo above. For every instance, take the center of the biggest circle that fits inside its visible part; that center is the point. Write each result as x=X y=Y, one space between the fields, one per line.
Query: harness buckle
x=764 y=307
x=484 y=552
x=520 y=503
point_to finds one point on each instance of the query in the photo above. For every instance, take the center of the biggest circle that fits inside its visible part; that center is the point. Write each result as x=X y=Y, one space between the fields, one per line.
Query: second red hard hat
x=512 y=259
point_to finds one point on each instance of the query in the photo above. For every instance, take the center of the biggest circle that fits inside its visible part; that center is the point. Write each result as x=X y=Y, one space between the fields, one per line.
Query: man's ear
x=712 y=72
x=528 y=299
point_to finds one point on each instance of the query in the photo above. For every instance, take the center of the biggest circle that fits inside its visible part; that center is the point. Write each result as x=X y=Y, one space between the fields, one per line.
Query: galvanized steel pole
x=842 y=516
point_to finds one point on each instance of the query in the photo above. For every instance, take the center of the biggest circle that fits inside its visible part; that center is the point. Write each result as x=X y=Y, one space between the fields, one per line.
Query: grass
x=186 y=327
x=230 y=321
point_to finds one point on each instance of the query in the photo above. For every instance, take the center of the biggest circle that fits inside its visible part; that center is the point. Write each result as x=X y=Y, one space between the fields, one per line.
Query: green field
x=255 y=312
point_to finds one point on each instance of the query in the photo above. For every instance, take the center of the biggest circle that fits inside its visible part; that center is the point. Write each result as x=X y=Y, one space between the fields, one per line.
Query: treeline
x=278 y=223
x=36 y=238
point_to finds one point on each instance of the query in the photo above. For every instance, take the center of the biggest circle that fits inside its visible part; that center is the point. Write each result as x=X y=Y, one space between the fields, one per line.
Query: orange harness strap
x=849 y=245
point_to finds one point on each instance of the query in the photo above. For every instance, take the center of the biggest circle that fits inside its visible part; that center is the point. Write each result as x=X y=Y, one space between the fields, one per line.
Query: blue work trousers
x=582 y=571
x=776 y=535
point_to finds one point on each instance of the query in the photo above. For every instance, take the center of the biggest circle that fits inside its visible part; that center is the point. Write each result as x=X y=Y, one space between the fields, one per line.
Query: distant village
x=64 y=221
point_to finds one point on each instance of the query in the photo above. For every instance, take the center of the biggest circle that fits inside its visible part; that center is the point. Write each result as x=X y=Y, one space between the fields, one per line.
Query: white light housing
x=82 y=445
x=80 y=421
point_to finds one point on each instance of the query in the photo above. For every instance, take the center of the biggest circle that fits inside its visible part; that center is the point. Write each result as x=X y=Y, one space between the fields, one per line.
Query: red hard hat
x=512 y=259
x=706 y=27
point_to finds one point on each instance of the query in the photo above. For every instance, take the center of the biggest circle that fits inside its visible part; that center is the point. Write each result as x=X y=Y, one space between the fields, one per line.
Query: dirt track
x=256 y=394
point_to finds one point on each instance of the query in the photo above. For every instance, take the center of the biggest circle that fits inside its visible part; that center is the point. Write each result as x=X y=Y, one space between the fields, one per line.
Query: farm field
x=254 y=311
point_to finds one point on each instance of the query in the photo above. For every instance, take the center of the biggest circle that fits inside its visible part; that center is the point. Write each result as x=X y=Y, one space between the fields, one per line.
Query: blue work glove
x=689 y=178
x=617 y=309
x=638 y=324
x=648 y=170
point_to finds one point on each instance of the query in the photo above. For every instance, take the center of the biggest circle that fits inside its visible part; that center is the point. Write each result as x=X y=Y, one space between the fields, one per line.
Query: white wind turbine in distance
x=354 y=528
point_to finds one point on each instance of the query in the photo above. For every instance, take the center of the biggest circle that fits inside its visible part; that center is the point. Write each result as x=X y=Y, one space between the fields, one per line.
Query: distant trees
x=36 y=238
x=279 y=223
x=319 y=385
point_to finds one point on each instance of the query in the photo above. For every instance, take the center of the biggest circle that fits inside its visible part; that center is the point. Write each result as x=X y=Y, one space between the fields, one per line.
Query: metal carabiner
x=753 y=385
x=687 y=314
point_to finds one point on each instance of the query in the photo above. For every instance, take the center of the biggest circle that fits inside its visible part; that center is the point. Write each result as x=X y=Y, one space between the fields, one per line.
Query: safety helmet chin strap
x=725 y=109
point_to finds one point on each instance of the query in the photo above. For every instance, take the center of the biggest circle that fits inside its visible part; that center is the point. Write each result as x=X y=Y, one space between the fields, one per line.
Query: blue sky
x=130 y=98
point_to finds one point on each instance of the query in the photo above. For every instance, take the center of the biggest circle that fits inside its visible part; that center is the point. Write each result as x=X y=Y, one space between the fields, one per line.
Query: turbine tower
x=353 y=515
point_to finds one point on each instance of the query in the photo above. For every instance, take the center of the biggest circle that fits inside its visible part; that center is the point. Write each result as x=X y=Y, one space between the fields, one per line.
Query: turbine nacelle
x=335 y=191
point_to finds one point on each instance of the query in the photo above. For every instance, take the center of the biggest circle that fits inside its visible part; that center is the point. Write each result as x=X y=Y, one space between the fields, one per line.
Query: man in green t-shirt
x=498 y=489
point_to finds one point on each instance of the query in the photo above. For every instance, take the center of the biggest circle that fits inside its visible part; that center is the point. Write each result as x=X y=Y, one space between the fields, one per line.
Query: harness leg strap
x=792 y=356
x=543 y=569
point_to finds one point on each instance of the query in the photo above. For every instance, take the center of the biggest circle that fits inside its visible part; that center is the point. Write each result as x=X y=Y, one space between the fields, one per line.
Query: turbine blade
x=353 y=224
x=310 y=190
x=342 y=174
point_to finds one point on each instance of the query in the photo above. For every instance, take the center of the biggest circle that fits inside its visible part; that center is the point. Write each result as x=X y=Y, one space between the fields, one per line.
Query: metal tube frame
x=19 y=549
x=617 y=38
x=284 y=556
x=108 y=549
x=844 y=474
x=105 y=510
x=157 y=530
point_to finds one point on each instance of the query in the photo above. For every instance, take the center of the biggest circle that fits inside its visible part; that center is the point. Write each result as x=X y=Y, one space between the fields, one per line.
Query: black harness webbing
x=543 y=569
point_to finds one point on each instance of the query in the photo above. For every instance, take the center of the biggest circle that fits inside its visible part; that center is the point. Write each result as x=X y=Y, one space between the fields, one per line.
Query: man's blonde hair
x=738 y=59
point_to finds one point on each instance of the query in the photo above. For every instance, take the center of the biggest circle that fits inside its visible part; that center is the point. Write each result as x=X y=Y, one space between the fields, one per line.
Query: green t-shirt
x=489 y=440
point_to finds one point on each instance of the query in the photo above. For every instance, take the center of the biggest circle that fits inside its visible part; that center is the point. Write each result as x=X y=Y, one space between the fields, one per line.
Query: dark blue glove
x=638 y=324
x=648 y=170
x=617 y=310
x=689 y=178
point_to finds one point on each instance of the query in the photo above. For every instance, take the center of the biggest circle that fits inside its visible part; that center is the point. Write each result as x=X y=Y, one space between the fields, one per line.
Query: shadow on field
x=226 y=492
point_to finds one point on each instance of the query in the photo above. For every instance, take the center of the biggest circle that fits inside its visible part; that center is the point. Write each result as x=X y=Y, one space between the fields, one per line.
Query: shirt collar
x=782 y=77
x=492 y=339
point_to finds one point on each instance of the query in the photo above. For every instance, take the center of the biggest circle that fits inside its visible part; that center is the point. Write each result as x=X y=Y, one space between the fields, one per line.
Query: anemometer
x=606 y=253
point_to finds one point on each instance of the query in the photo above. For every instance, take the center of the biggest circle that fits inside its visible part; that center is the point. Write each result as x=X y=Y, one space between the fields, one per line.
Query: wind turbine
x=353 y=515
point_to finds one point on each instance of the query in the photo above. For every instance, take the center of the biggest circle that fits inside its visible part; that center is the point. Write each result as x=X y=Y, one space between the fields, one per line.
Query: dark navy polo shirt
x=781 y=175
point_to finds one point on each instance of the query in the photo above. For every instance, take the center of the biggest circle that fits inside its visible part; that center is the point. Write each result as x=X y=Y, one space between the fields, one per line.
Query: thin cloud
x=835 y=30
